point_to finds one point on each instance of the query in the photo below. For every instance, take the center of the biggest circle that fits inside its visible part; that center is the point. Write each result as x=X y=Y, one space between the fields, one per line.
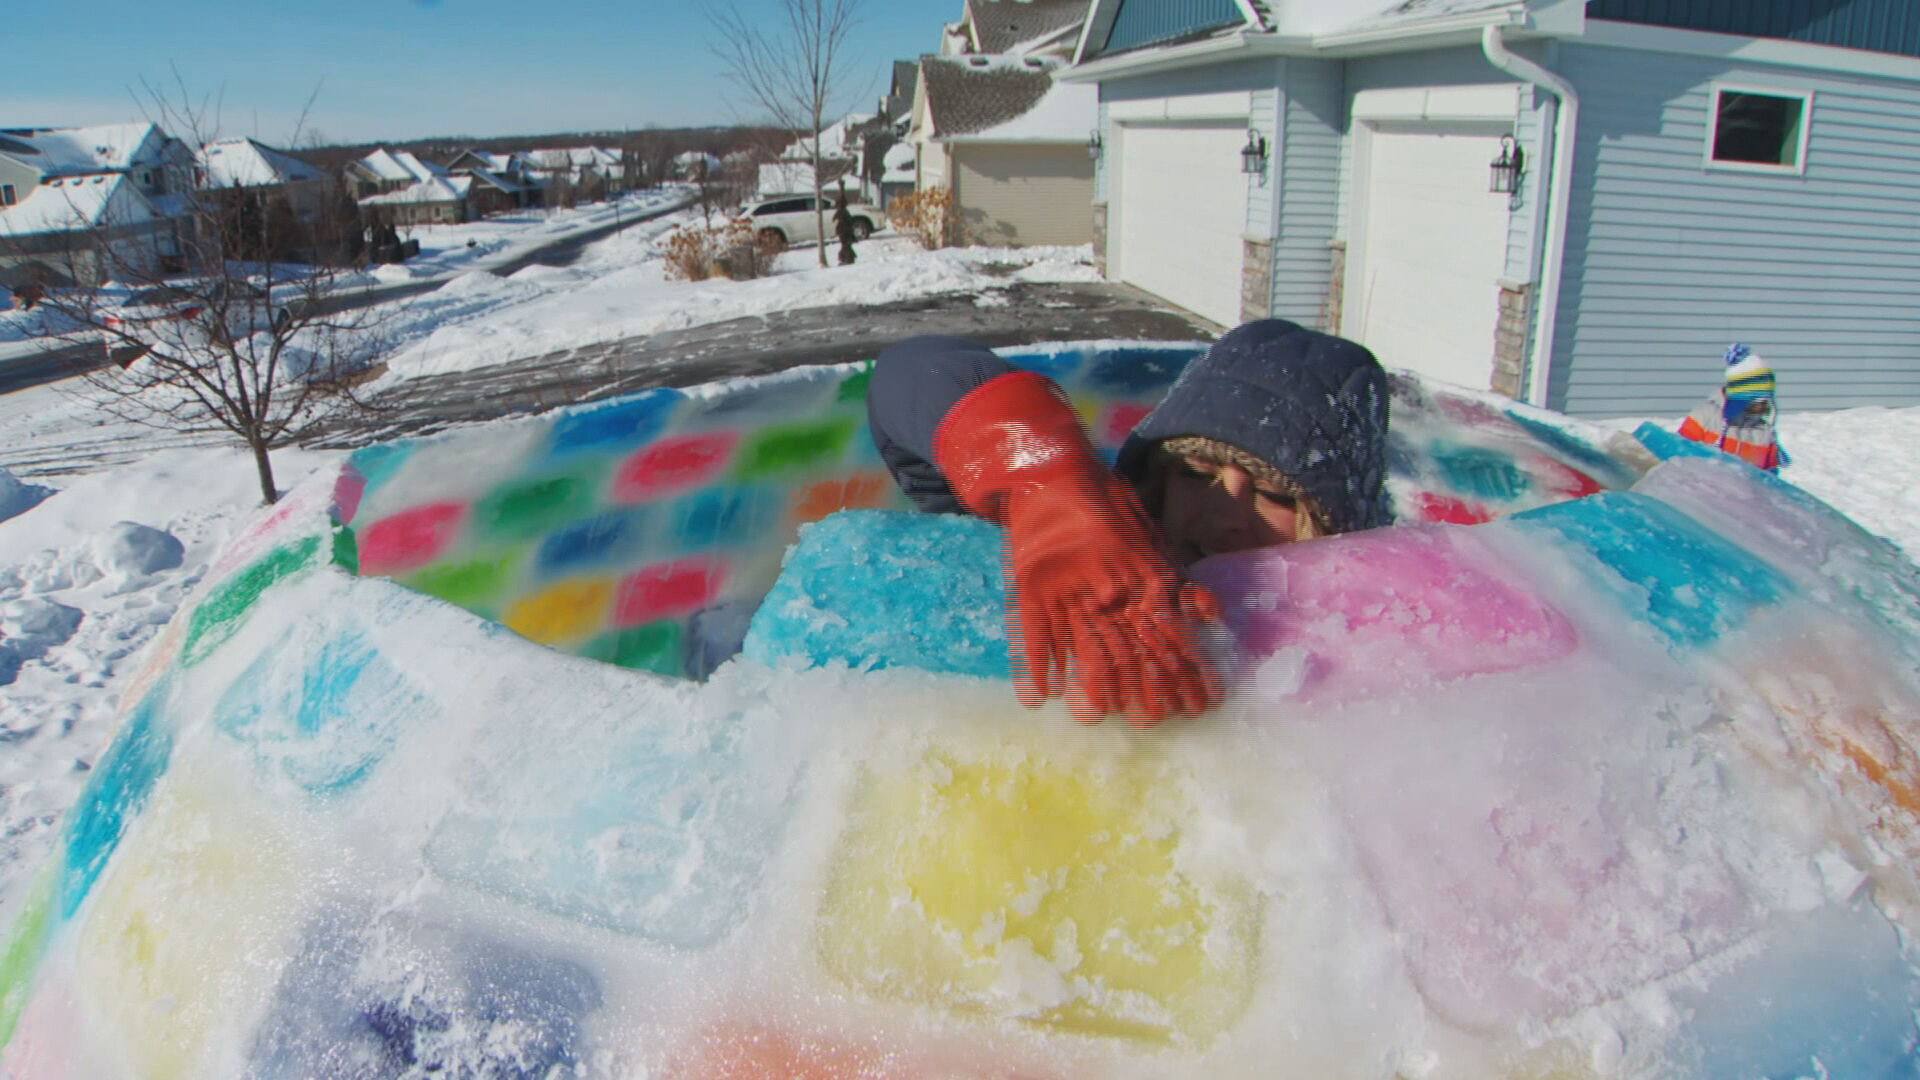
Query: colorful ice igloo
x=655 y=738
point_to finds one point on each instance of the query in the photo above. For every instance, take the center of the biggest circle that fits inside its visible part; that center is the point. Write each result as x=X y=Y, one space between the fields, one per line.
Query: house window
x=1759 y=130
x=7 y=196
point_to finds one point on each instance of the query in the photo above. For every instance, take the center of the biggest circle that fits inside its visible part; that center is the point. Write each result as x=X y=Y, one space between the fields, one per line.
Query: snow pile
x=1612 y=786
x=17 y=498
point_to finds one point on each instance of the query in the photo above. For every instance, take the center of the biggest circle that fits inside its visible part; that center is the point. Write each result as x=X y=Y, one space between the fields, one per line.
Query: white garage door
x=1182 y=205
x=1023 y=194
x=1423 y=282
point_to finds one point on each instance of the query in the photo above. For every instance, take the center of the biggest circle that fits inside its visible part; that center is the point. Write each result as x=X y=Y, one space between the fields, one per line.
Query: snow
x=88 y=577
x=902 y=164
x=432 y=190
x=242 y=162
x=76 y=202
x=106 y=147
x=620 y=290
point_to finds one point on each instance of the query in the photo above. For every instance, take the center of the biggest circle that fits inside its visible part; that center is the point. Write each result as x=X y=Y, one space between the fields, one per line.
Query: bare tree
x=789 y=63
x=237 y=318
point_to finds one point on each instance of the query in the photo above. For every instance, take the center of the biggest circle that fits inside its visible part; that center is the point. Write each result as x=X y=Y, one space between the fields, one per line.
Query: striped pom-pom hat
x=1750 y=381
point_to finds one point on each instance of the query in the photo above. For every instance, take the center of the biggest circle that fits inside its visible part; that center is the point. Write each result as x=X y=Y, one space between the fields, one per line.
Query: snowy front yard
x=446 y=251
x=82 y=594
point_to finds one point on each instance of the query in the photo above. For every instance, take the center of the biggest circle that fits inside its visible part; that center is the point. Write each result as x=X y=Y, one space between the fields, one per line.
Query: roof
x=68 y=151
x=399 y=165
x=244 y=162
x=493 y=180
x=576 y=157
x=969 y=94
x=439 y=189
x=835 y=141
x=1003 y=26
x=901 y=164
x=66 y=203
x=1065 y=113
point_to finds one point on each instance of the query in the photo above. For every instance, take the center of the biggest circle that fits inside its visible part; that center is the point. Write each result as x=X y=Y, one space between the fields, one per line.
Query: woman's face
x=1211 y=509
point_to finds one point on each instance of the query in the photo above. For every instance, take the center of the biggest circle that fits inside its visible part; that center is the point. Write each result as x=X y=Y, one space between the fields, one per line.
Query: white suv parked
x=789 y=219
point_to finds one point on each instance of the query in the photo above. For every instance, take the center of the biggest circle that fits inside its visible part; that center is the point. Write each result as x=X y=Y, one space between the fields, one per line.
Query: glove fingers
x=1128 y=676
x=1035 y=653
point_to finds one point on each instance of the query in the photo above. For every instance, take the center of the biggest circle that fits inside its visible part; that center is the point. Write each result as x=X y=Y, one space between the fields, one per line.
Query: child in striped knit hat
x=1741 y=419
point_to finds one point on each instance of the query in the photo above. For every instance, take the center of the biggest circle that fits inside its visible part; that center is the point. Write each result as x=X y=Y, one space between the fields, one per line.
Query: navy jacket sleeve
x=914 y=383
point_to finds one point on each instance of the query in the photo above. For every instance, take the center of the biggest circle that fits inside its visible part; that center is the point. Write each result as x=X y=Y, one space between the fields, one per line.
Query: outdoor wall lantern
x=1253 y=156
x=1508 y=167
x=1093 y=144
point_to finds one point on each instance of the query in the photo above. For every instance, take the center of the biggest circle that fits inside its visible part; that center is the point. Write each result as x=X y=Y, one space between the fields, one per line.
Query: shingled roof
x=969 y=94
x=1003 y=25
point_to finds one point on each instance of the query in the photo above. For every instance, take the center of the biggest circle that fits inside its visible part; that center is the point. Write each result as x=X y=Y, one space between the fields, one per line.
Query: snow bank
x=1616 y=783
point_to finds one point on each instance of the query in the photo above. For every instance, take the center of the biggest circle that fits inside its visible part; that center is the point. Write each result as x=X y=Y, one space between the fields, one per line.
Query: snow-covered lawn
x=446 y=251
x=619 y=289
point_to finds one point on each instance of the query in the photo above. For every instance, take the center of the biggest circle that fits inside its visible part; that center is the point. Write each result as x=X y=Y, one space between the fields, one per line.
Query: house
x=78 y=228
x=441 y=199
x=502 y=182
x=841 y=146
x=60 y=187
x=593 y=172
x=1579 y=204
x=1010 y=142
x=1037 y=28
x=695 y=164
x=244 y=164
x=402 y=189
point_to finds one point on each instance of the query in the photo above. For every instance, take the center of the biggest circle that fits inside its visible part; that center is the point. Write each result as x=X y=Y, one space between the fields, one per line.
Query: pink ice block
x=1386 y=610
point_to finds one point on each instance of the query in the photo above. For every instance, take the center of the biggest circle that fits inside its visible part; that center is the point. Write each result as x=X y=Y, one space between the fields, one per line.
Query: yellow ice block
x=185 y=938
x=1049 y=891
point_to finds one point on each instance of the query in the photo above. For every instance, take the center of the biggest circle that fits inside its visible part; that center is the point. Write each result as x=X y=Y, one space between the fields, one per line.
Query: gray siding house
x=1689 y=173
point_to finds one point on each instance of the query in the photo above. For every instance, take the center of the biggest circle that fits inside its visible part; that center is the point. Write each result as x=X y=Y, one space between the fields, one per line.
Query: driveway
x=1017 y=315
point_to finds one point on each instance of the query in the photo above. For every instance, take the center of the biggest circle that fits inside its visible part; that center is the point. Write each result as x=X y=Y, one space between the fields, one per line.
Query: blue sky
x=397 y=69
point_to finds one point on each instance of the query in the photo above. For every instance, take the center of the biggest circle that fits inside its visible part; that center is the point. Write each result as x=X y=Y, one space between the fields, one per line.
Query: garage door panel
x=1424 y=288
x=1025 y=194
x=1182 y=206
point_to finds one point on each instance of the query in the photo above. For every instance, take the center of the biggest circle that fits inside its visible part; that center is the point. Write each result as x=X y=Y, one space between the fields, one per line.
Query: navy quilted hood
x=1312 y=405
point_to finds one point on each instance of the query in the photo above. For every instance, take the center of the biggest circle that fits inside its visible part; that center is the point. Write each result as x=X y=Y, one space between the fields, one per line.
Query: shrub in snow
x=732 y=251
x=928 y=216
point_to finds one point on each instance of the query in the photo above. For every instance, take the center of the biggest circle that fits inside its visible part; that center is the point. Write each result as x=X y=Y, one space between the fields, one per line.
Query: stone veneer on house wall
x=1510 y=341
x=1330 y=310
x=1100 y=238
x=1256 y=279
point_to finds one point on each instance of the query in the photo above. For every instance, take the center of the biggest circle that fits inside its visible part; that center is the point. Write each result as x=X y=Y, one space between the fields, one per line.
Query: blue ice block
x=1667 y=445
x=660 y=831
x=1827 y=995
x=122 y=781
x=1662 y=566
x=323 y=714
x=888 y=588
x=394 y=997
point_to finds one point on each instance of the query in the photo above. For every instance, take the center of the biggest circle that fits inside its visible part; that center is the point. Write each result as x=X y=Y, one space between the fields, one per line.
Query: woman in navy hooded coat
x=1277 y=434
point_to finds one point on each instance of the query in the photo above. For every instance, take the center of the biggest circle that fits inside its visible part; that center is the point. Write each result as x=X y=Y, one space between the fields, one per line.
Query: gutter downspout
x=1493 y=42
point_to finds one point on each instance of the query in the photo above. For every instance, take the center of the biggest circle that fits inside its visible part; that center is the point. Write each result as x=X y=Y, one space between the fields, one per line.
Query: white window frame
x=8 y=197
x=1798 y=168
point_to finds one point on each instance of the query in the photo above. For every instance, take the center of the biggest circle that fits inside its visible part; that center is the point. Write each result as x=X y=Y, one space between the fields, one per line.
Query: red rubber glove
x=1095 y=610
